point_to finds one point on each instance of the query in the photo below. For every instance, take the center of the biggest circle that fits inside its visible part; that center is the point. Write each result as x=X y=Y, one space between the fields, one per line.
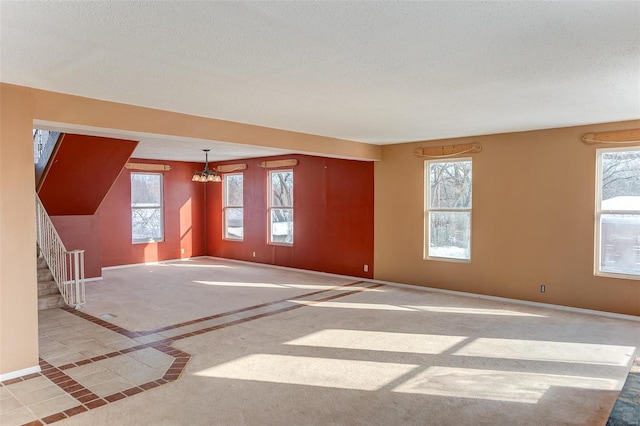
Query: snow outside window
x=448 y=209
x=233 y=212
x=146 y=208
x=281 y=207
x=618 y=212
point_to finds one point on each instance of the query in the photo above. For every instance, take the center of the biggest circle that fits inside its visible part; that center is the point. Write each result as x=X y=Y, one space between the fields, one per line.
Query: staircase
x=65 y=268
x=49 y=296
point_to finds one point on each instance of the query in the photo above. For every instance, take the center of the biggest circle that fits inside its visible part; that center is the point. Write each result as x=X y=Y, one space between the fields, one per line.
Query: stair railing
x=67 y=267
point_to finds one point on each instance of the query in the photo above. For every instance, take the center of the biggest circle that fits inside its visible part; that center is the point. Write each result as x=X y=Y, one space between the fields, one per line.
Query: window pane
x=450 y=185
x=620 y=243
x=449 y=234
x=146 y=224
x=282 y=226
x=620 y=180
x=282 y=189
x=233 y=190
x=233 y=223
x=146 y=190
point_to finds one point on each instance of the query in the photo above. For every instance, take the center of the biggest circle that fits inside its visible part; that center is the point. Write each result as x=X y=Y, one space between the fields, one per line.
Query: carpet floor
x=225 y=343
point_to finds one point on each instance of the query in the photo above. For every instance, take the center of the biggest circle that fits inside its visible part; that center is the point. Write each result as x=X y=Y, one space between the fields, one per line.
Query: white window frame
x=598 y=216
x=225 y=207
x=159 y=206
x=272 y=207
x=428 y=209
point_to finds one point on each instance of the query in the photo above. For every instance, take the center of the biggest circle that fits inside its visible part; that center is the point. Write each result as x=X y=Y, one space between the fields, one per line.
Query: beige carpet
x=381 y=356
x=150 y=297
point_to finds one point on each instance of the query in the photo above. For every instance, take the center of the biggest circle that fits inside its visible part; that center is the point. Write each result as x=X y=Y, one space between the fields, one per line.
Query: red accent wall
x=82 y=232
x=81 y=173
x=333 y=217
x=183 y=219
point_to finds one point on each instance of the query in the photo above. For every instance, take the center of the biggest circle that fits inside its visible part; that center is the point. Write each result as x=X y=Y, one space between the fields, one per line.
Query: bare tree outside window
x=233 y=202
x=146 y=207
x=281 y=207
x=618 y=211
x=448 y=215
x=620 y=174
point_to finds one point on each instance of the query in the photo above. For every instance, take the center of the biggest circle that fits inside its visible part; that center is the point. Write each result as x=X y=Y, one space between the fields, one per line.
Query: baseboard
x=158 y=262
x=451 y=292
x=513 y=301
x=287 y=268
x=19 y=373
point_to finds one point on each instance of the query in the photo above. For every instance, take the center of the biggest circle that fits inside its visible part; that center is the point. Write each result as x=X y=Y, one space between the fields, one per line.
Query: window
x=281 y=207
x=232 y=211
x=448 y=209
x=618 y=212
x=146 y=207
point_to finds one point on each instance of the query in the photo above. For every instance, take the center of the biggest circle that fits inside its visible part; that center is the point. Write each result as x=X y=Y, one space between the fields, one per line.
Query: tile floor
x=88 y=362
x=84 y=365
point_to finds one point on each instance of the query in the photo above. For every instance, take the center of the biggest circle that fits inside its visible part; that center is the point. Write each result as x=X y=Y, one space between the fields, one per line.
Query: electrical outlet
x=543 y=288
x=366 y=268
x=182 y=251
x=254 y=254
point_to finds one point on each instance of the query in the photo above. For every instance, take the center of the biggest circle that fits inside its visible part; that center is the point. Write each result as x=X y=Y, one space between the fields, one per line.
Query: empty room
x=311 y=213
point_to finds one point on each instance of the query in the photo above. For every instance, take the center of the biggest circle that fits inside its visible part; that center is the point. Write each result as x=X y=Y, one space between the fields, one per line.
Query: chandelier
x=206 y=175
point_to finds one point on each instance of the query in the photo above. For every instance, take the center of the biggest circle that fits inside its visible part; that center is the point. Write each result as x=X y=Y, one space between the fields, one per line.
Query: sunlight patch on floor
x=473 y=311
x=346 y=305
x=534 y=350
x=189 y=264
x=239 y=284
x=280 y=285
x=332 y=286
x=495 y=385
x=379 y=341
x=310 y=371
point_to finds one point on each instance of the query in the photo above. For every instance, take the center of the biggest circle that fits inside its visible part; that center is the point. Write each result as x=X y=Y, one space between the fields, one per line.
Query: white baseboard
x=513 y=301
x=19 y=373
x=452 y=292
x=86 y=280
x=159 y=262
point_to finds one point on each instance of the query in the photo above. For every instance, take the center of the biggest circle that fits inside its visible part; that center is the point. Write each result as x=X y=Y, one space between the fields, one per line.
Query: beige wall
x=18 y=288
x=532 y=221
x=60 y=108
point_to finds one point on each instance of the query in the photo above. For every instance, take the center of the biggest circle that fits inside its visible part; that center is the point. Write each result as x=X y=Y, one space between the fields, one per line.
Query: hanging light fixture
x=207 y=175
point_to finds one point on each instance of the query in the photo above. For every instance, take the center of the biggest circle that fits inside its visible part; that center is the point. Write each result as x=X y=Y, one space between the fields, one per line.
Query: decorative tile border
x=249 y=308
x=88 y=400
x=267 y=314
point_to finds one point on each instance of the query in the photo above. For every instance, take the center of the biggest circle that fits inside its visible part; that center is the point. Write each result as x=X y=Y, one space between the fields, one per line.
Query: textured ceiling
x=378 y=72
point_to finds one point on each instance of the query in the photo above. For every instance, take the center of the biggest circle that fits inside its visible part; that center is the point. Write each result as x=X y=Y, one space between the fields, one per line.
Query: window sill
x=147 y=241
x=616 y=275
x=447 y=259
